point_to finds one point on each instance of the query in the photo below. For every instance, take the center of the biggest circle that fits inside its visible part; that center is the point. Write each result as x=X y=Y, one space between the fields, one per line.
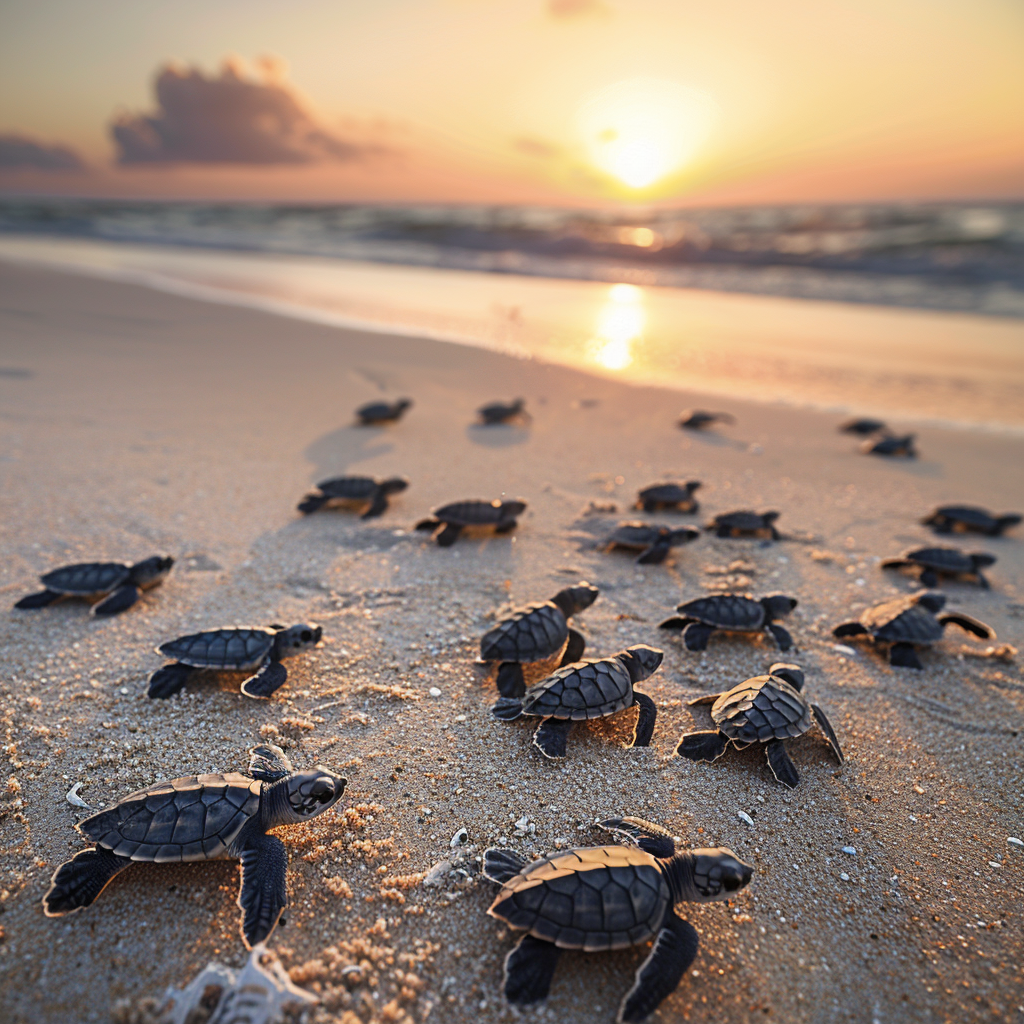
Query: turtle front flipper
x=428 y=524
x=271 y=677
x=707 y=745
x=40 y=600
x=651 y=838
x=78 y=882
x=167 y=681
x=378 y=506
x=780 y=635
x=696 y=636
x=929 y=577
x=826 y=727
x=968 y=623
x=449 y=535
x=675 y=622
x=782 y=767
x=551 y=735
x=659 y=975
x=506 y=526
x=904 y=656
x=119 y=601
x=574 y=648
x=510 y=680
x=501 y=865
x=508 y=709
x=655 y=554
x=263 y=894
x=645 y=719
x=849 y=629
x=529 y=968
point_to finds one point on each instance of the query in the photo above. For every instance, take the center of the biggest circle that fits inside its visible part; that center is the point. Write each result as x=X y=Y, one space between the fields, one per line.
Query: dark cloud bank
x=228 y=119
x=20 y=153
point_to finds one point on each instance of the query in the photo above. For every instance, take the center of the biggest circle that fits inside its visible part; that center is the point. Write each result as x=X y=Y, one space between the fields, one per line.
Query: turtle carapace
x=731 y=613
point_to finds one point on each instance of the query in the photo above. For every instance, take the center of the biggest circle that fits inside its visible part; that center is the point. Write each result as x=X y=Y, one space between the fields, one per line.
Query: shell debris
x=743 y=816
x=74 y=799
x=1014 y=841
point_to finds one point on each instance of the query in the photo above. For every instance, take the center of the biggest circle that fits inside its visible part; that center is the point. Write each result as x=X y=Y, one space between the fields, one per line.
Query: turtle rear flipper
x=781 y=635
x=529 y=968
x=651 y=838
x=77 y=883
x=703 y=746
x=904 y=656
x=659 y=975
x=782 y=767
x=551 y=736
x=40 y=600
x=929 y=577
x=501 y=865
x=311 y=503
x=645 y=719
x=120 y=600
x=696 y=636
x=378 y=506
x=655 y=554
x=826 y=727
x=167 y=681
x=507 y=709
x=968 y=623
x=263 y=894
x=271 y=677
x=449 y=535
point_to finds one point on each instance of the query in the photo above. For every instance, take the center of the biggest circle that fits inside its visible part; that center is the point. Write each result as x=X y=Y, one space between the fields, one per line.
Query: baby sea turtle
x=653 y=542
x=601 y=898
x=124 y=583
x=970 y=519
x=936 y=562
x=891 y=445
x=364 y=492
x=203 y=817
x=382 y=412
x=908 y=622
x=494 y=516
x=668 y=497
x=862 y=425
x=732 y=613
x=532 y=641
x=766 y=709
x=588 y=689
x=238 y=649
x=698 y=419
x=745 y=524
x=502 y=412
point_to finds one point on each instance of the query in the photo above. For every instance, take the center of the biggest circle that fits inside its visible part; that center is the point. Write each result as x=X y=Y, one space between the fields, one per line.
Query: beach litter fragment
x=743 y=816
x=437 y=874
x=74 y=799
x=460 y=837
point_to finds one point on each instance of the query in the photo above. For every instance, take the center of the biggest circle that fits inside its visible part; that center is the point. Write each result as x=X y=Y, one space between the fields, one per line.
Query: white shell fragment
x=257 y=994
x=74 y=799
x=851 y=850
x=743 y=816
x=434 y=692
x=1014 y=841
x=843 y=649
x=459 y=838
x=437 y=874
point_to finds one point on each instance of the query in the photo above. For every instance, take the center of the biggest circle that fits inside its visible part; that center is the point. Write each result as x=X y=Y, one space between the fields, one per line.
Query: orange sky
x=584 y=102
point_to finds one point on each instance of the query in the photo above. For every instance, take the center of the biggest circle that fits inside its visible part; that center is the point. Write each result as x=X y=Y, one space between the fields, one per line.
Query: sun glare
x=619 y=324
x=641 y=129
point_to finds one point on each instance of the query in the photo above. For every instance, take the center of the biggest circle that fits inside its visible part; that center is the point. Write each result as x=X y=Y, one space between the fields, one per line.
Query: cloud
x=564 y=9
x=229 y=119
x=20 y=153
x=530 y=146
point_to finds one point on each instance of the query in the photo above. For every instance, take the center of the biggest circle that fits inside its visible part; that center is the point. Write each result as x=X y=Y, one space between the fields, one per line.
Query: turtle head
x=981 y=559
x=777 y=605
x=304 y=795
x=703 y=876
x=401 y=405
x=394 y=484
x=932 y=601
x=641 y=661
x=573 y=600
x=151 y=570
x=769 y=517
x=692 y=485
x=683 y=535
x=298 y=638
x=513 y=508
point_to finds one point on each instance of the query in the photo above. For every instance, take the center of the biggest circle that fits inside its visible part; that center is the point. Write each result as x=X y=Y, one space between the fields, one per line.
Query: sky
x=560 y=102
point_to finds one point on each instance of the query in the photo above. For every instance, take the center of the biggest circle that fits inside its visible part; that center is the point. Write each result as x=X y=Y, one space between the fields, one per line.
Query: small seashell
x=434 y=692
x=843 y=649
x=437 y=874
x=523 y=823
x=743 y=816
x=74 y=799
x=845 y=877
x=1014 y=841
x=851 y=850
x=460 y=837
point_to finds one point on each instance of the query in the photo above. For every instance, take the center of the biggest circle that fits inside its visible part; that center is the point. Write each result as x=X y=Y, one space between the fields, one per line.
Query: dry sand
x=135 y=422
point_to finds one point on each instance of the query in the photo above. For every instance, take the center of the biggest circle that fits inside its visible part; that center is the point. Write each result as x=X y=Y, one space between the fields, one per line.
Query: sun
x=641 y=129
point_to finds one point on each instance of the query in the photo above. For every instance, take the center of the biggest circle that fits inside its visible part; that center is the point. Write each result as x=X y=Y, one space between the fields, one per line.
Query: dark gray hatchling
x=862 y=425
x=653 y=542
x=593 y=688
x=935 y=563
x=970 y=519
x=531 y=642
x=366 y=492
x=258 y=650
x=495 y=413
x=891 y=445
x=600 y=898
x=699 y=419
x=766 y=709
x=669 y=497
x=731 y=613
x=203 y=817
x=905 y=623
x=123 y=583
x=745 y=524
x=450 y=521
x=374 y=413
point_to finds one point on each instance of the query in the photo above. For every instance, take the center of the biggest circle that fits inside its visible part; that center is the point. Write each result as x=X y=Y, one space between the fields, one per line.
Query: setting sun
x=642 y=129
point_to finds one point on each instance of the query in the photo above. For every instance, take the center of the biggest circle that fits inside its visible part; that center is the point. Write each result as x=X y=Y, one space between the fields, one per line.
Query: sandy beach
x=134 y=422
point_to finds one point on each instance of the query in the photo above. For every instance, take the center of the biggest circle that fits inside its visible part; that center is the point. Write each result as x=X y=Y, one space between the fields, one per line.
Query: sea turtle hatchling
x=698 y=419
x=653 y=542
x=372 y=413
x=592 y=688
x=745 y=523
x=766 y=709
x=891 y=445
x=122 y=583
x=366 y=492
x=203 y=817
x=862 y=425
x=937 y=562
x=258 y=650
x=495 y=413
x=908 y=622
x=668 y=497
x=449 y=521
x=970 y=519
x=532 y=641
x=600 y=898
x=731 y=613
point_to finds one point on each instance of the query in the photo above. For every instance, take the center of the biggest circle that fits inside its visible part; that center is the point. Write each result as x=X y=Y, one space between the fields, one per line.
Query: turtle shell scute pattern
x=598 y=898
x=590 y=689
x=221 y=648
x=469 y=513
x=947 y=559
x=902 y=621
x=535 y=631
x=86 y=578
x=761 y=709
x=192 y=818
x=738 y=612
x=350 y=487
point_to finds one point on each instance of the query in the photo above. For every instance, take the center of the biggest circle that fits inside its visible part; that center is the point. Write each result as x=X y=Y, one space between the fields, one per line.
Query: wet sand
x=133 y=422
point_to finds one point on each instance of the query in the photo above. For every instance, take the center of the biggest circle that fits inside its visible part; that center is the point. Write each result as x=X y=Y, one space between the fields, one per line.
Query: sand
x=135 y=422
